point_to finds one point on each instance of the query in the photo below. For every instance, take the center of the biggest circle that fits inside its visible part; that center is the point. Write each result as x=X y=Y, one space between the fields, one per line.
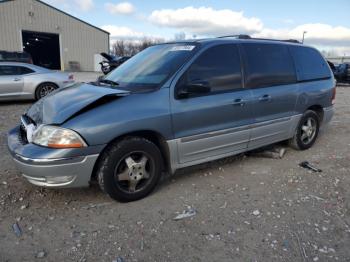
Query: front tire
x=130 y=169
x=306 y=132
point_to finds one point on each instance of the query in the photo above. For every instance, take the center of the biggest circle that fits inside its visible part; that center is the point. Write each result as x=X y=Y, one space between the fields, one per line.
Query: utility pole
x=302 y=41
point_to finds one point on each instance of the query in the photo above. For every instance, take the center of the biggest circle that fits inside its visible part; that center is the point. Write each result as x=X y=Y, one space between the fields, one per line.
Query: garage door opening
x=43 y=47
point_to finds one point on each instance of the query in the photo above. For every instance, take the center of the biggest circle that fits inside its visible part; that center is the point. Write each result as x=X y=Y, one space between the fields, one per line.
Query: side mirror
x=193 y=88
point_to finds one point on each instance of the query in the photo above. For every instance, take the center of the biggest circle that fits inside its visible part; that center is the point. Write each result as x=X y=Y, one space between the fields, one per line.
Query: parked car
x=342 y=72
x=112 y=62
x=23 y=57
x=171 y=106
x=27 y=81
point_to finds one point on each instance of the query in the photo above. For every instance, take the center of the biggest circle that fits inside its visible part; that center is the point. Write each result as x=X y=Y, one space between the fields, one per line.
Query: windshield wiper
x=109 y=82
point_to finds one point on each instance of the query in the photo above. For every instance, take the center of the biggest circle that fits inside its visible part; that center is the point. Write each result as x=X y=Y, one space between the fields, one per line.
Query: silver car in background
x=27 y=81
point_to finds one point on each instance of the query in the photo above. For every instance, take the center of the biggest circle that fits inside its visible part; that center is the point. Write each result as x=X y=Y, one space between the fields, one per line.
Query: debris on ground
x=17 y=229
x=119 y=259
x=190 y=212
x=224 y=205
x=41 y=254
x=268 y=152
x=24 y=206
x=256 y=212
x=307 y=165
x=96 y=205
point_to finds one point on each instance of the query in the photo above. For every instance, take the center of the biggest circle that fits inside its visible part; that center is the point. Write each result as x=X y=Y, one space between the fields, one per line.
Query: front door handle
x=265 y=98
x=17 y=79
x=238 y=102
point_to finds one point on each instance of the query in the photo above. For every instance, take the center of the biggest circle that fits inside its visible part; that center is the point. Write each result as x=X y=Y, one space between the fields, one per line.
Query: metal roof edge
x=63 y=12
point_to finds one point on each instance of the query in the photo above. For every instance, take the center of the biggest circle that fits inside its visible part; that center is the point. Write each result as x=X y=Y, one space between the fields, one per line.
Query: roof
x=4 y=1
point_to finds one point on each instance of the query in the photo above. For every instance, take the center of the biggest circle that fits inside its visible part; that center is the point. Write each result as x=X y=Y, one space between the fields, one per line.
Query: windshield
x=152 y=67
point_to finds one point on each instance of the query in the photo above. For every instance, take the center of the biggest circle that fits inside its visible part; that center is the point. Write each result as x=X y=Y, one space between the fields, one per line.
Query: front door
x=216 y=123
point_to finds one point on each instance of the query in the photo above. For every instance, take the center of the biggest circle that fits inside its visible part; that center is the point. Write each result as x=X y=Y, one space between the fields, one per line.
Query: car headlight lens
x=57 y=137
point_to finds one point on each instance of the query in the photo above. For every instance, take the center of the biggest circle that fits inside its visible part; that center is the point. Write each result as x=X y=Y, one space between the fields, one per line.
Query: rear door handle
x=238 y=102
x=265 y=98
x=17 y=79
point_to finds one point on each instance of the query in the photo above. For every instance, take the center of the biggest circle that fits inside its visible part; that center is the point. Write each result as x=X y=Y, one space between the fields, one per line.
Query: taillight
x=333 y=95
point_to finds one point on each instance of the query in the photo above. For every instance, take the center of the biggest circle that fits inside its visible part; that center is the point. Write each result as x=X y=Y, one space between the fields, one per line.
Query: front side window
x=8 y=70
x=151 y=67
x=268 y=65
x=217 y=67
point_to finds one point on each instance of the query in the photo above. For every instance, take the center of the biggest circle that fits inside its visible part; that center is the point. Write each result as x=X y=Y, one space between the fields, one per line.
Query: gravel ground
x=247 y=209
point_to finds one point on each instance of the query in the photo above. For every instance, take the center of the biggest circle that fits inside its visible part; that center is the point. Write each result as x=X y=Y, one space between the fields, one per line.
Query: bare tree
x=129 y=48
x=119 y=48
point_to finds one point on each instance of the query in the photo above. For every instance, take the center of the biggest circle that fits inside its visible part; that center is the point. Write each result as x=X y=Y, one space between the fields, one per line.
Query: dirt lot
x=248 y=209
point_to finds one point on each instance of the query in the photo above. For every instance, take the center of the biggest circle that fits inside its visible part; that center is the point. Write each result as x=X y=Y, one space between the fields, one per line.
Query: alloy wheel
x=133 y=172
x=308 y=130
x=45 y=90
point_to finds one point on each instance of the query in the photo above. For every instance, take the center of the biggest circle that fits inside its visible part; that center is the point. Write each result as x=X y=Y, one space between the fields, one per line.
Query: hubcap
x=133 y=172
x=308 y=130
x=45 y=90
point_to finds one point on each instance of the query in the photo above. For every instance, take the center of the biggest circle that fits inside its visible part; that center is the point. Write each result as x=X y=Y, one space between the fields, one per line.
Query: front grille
x=25 y=122
x=22 y=135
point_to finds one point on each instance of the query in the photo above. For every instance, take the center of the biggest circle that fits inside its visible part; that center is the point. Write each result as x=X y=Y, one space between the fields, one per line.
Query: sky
x=326 y=23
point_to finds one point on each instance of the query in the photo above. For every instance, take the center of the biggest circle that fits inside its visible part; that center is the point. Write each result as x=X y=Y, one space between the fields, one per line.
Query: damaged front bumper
x=48 y=167
x=67 y=172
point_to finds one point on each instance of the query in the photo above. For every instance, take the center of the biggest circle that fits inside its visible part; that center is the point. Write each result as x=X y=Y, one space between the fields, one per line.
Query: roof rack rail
x=253 y=38
x=236 y=36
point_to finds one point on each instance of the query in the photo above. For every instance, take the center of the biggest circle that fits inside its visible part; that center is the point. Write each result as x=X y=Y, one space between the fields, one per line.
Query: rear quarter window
x=309 y=63
x=25 y=70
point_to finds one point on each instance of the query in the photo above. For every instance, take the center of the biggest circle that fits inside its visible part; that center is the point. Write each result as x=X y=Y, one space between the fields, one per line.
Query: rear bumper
x=328 y=113
x=51 y=167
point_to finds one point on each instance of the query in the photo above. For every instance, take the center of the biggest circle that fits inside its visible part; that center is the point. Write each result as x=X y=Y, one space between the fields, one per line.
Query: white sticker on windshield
x=182 y=48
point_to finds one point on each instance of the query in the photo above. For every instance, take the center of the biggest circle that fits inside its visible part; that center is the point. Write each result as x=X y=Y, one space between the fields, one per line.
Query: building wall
x=78 y=41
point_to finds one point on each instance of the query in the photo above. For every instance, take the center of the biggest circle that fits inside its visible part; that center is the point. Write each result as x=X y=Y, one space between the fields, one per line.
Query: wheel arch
x=150 y=135
x=318 y=109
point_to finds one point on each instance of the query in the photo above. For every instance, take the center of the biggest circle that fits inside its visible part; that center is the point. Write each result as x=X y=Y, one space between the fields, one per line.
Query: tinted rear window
x=268 y=65
x=310 y=65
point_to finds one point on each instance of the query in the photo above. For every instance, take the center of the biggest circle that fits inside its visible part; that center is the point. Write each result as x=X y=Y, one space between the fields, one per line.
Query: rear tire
x=306 y=132
x=44 y=89
x=130 y=169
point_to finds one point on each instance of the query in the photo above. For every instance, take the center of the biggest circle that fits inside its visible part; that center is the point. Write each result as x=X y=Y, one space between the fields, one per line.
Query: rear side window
x=268 y=65
x=24 y=70
x=219 y=66
x=310 y=65
x=8 y=70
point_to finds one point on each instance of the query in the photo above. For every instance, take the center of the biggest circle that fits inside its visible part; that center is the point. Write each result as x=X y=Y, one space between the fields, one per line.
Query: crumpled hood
x=64 y=103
